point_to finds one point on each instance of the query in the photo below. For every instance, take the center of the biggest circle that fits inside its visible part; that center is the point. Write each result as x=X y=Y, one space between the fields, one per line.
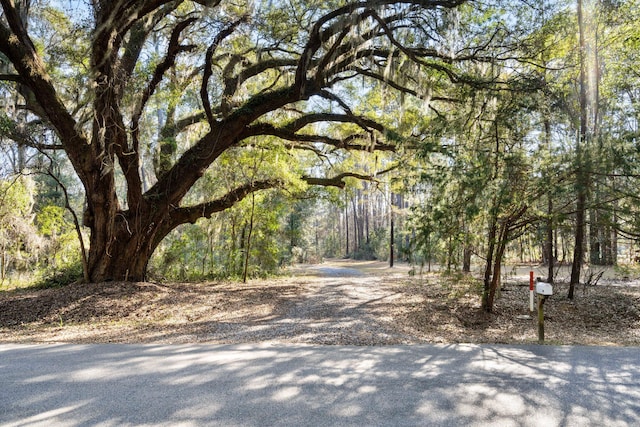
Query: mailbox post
x=543 y=290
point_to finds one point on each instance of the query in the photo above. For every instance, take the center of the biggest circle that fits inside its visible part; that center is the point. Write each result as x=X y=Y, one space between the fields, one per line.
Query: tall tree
x=252 y=72
x=582 y=154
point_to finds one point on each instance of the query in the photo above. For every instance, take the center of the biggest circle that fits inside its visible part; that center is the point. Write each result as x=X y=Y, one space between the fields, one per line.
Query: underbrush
x=43 y=278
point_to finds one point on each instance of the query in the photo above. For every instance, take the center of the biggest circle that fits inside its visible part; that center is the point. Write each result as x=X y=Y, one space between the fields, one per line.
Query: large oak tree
x=274 y=70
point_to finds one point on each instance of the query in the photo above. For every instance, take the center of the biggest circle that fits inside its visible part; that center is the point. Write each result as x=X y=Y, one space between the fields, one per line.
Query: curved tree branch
x=208 y=71
x=173 y=50
x=138 y=35
x=345 y=143
x=20 y=51
x=190 y=214
x=338 y=180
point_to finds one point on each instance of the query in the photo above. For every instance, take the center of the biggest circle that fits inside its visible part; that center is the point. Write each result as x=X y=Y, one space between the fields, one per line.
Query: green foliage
x=216 y=248
x=377 y=248
x=461 y=285
x=51 y=221
x=61 y=245
x=64 y=275
x=42 y=243
x=19 y=242
x=181 y=255
x=488 y=100
x=16 y=196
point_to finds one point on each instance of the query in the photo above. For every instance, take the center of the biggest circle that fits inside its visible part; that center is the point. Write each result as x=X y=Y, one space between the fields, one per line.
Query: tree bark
x=466 y=261
x=581 y=176
x=549 y=242
x=491 y=242
x=248 y=247
x=346 y=225
x=497 y=264
x=124 y=260
x=497 y=246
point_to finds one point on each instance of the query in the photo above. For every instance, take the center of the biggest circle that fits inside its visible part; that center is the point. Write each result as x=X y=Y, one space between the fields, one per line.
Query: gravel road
x=340 y=306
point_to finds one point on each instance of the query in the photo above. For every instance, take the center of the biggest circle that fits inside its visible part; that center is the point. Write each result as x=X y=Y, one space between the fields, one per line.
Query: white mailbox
x=543 y=288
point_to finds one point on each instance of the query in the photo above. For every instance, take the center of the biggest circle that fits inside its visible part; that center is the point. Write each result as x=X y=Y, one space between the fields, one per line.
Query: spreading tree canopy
x=183 y=82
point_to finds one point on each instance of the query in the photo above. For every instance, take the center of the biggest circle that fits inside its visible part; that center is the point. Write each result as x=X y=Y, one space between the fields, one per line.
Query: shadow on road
x=305 y=385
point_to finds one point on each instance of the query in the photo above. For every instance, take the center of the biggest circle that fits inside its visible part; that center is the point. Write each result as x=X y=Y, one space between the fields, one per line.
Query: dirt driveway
x=337 y=302
x=342 y=303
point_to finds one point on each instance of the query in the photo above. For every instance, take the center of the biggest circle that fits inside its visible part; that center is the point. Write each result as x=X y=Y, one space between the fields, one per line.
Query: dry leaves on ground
x=600 y=315
x=368 y=305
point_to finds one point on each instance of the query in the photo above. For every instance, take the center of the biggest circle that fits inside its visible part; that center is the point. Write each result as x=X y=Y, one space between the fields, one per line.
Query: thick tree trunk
x=124 y=257
x=123 y=242
x=124 y=262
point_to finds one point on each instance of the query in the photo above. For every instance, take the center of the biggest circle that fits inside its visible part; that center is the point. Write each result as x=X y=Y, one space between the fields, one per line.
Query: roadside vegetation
x=206 y=142
x=338 y=302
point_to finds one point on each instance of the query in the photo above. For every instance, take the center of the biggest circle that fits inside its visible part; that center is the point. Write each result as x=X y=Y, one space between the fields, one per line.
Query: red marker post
x=531 y=291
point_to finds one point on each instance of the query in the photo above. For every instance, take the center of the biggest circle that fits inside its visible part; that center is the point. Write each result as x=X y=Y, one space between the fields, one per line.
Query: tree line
x=210 y=138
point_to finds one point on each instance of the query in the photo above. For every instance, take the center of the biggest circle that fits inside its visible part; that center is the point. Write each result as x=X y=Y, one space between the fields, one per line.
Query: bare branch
x=191 y=214
x=418 y=56
x=333 y=97
x=20 y=51
x=173 y=50
x=11 y=78
x=345 y=143
x=76 y=223
x=208 y=72
x=232 y=82
x=338 y=180
x=24 y=137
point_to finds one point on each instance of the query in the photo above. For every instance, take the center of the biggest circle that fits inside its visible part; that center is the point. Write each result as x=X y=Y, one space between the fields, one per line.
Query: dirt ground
x=337 y=302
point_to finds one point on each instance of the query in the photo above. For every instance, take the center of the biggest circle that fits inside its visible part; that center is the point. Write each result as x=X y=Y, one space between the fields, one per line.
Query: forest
x=191 y=140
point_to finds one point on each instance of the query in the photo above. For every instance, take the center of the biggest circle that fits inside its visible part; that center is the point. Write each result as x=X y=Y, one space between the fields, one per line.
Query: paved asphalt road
x=296 y=385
